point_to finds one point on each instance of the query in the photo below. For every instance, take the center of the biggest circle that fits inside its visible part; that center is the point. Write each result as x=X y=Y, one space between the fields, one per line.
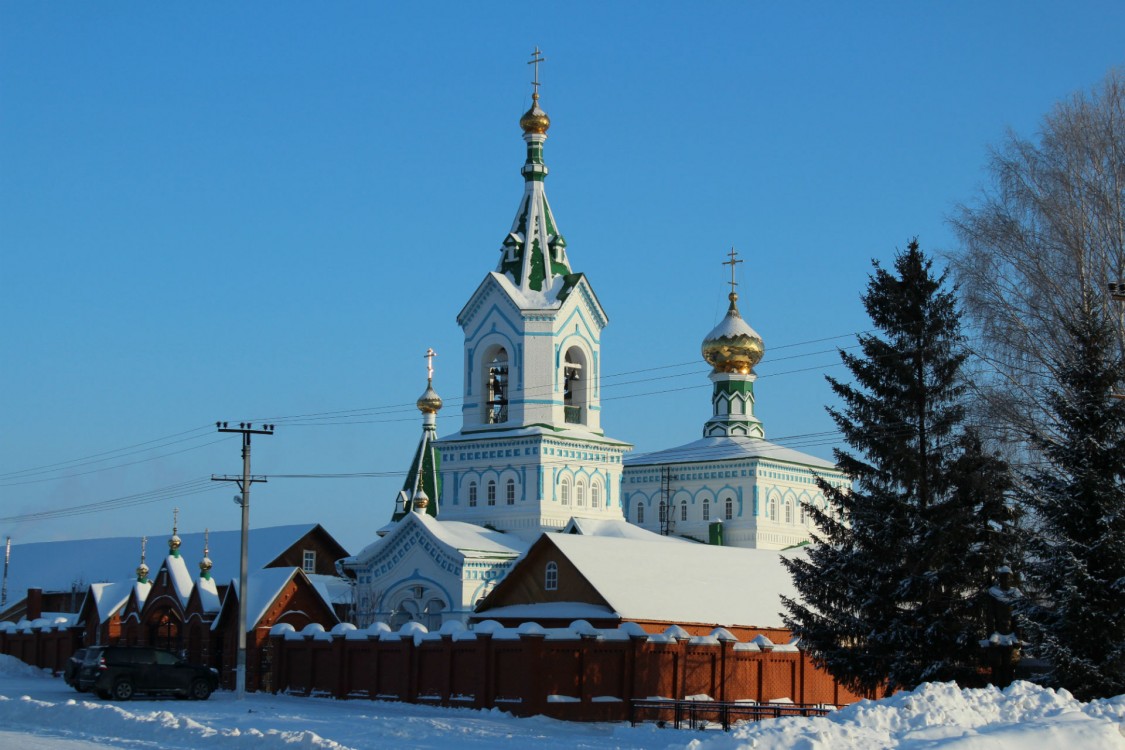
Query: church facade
x=732 y=486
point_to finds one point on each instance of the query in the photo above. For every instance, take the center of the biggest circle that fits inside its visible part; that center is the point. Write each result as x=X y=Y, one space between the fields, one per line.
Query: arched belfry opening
x=576 y=378
x=496 y=386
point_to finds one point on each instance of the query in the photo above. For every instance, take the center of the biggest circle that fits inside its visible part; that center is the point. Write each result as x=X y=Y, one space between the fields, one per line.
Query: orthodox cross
x=732 y=263
x=429 y=357
x=175 y=520
x=144 y=541
x=206 y=541
x=536 y=58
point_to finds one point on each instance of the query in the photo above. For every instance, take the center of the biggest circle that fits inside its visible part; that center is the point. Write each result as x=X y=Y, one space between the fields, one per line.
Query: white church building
x=531 y=457
x=731 y=487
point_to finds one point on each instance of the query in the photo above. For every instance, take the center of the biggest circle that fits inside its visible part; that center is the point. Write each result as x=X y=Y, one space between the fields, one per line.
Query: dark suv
x=73 y=666
x=123 y=671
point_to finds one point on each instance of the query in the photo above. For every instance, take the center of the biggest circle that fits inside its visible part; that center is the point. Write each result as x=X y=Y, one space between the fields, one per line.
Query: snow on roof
x=333 y=589
x=551 y=610
x=141 y=591
x=181 y=577
x=707 y=584
x=728 y=448
x=208 y=594
x=618 y=529
x=466 y=540
x=548 y=299
x=110 y=597
x=472 y=540
x=264 y=585
x=57 y=566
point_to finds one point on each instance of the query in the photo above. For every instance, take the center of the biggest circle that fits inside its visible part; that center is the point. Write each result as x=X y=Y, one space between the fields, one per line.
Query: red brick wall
x=521 y=674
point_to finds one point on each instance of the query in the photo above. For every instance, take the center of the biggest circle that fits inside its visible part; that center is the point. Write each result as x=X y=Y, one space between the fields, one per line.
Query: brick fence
x=578 y=673
x=40 y=643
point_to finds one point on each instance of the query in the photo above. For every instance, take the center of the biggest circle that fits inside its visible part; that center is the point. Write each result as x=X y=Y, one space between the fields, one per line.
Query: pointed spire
x=205 y=564
x=174 y=541
x=533 y=254
x=142 y=569
x=422 y=488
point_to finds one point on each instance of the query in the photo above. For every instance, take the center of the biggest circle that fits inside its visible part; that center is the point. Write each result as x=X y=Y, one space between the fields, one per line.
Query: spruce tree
x=1076 y=566
x=890 y=589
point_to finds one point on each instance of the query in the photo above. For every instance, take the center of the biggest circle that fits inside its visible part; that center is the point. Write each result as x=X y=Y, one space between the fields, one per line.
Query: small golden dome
x=429 y=402
x=535 y=120
x=421 y=500
x=205 y=565
x=174 y=543
x=142 y=572
x=733 y=346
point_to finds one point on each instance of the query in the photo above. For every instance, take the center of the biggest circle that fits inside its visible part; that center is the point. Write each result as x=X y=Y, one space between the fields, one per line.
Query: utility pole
x=246 y=430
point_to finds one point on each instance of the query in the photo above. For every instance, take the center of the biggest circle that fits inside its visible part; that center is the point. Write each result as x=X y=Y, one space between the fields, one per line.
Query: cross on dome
x=429 y=357
x=536 y=58
x=732 y=263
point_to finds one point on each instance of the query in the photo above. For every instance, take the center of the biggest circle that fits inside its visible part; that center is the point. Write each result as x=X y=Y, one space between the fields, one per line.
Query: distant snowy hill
x=57 y=566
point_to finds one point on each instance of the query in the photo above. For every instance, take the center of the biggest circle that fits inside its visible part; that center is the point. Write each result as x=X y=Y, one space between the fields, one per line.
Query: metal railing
x=699 y=714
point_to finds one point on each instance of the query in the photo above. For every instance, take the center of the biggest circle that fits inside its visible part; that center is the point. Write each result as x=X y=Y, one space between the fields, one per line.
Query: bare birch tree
x=1038 y=247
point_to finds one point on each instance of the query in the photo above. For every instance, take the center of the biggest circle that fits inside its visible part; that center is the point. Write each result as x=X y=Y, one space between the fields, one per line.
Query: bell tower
x=531 y=453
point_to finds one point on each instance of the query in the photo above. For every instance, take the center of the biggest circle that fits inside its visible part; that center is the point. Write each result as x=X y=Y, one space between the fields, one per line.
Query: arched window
x=511 y=492
x=551 y=577
x=580 y=493
x=728 y=511
x=496 y=387
x=595 y=495
x=663 y=514
x=788 y=512
x=640 y=512
x=683 y=510
x=804 y=517
x=472 y=494
x=575 y=377
x=491 y=492
x=706 y=510
x=564 y=492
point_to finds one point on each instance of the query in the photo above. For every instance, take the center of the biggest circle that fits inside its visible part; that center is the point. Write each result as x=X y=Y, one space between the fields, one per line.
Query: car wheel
x=123 y=690
x=200 y=690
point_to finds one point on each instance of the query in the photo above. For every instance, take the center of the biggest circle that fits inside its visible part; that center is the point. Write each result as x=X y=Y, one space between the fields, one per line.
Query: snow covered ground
x=39 y=712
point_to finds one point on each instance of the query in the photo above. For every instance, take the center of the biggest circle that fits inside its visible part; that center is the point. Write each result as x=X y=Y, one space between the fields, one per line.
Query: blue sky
x=263 y=210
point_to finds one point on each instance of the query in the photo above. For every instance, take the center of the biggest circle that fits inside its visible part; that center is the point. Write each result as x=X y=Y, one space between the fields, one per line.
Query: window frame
x=551 y=576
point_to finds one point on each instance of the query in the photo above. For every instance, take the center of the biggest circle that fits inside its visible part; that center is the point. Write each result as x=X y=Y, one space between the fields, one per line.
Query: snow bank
x=939 y=715
x=158 y=728
x=10 y=666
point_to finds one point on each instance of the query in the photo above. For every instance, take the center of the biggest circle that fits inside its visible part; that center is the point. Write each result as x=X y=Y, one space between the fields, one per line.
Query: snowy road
x=39 y=712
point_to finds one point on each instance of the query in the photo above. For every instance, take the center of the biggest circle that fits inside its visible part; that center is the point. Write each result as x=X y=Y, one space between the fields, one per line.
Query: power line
x=90 y=459
x=182 y=489
x=343 y=417
x=115 y=466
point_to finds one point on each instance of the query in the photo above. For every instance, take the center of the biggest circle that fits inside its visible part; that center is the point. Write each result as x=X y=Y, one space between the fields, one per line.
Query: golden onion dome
x=421 y=500
x=174 y=543
x=205 y=565
x=429 y=402
x=142 y=572
x=535 y=120
x=733 y=346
